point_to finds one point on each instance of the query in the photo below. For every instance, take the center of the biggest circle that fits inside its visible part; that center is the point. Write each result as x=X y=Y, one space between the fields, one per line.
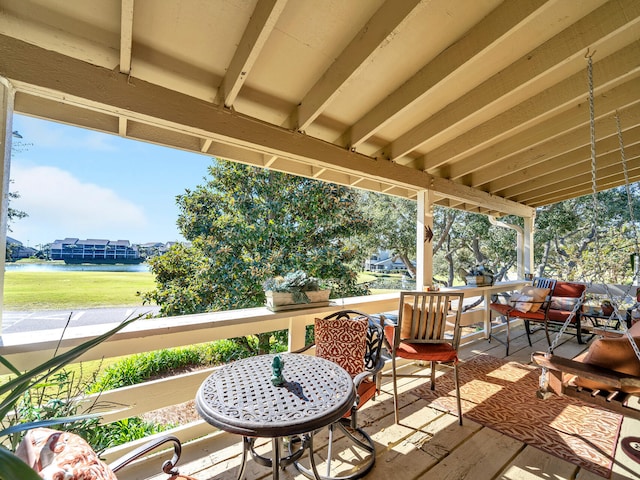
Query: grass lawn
x=62 y=290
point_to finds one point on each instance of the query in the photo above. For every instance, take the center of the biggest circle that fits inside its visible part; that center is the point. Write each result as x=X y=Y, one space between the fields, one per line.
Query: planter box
x=285 y=301
x=479 y=280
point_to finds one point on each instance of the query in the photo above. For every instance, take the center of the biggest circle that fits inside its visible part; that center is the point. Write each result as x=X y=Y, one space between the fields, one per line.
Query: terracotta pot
x=606 y=309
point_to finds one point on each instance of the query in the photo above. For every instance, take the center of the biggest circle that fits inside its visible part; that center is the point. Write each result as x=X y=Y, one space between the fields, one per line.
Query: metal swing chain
x=625 y=169
x=594 y=194
x=632 y=341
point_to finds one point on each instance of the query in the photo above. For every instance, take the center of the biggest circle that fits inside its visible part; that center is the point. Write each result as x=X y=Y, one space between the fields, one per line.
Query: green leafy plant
x=14 y=390
x=296 y=283
x=478 y=270
x=144 y=366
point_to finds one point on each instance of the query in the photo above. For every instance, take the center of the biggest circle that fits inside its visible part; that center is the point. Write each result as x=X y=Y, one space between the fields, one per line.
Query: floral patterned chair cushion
x=342 y=341
x=57 y=455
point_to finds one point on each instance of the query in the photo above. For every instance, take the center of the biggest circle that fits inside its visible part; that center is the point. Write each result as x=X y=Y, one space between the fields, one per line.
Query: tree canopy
x=246 y=224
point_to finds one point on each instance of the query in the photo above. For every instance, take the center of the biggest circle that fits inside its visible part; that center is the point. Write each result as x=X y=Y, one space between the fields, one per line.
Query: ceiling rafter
x=501 y=156
x=117 y=94
x=484 y=103
x=122 y=126
x=509 y=85
x=557 y=153
x=483 y=36
x=369 y=39
x=536 y=110
x=126 y=35
x=261 y=24
x=605 y=162
x=609 y=177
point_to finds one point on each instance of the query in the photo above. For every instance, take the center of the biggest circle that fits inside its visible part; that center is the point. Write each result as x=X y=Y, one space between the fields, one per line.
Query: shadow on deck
x=429 y=444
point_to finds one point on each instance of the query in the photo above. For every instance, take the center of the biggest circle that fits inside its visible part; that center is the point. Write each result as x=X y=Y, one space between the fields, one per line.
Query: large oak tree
x=246 y=224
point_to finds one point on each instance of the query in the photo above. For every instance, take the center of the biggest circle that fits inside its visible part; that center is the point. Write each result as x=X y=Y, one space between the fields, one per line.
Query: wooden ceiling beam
x=126 y=35
x=528 y=147
x=552 y=59
x=260 y=26
x=464 y=153
x=75 y=82
x=452 y=61
x=520 y=177
x=389 y=18
x=586 y=189
x=556 y=153
x=573 y=175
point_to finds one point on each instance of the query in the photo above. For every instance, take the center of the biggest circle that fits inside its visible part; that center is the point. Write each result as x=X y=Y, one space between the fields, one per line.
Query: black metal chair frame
x=373 y=364
x=538 y=282
x=168 y=467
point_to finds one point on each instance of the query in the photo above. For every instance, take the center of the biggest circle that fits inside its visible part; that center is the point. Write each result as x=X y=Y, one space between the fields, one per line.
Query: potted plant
x=13 y=390
x=295 y=290
x=606 y=307
x=479 y=276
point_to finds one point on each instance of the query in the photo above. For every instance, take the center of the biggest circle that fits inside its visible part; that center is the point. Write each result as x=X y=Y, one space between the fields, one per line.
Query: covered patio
x=475 y=105
x=429 y=443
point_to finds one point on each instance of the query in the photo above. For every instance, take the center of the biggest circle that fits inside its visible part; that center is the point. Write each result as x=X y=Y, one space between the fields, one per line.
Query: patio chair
x=354 y=341
x=428 y=329
x=530 y=304
x=57 y=453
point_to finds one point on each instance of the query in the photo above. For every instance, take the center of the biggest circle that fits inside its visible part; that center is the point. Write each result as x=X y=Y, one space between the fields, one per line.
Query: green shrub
x=141 y=367
x=101 y=437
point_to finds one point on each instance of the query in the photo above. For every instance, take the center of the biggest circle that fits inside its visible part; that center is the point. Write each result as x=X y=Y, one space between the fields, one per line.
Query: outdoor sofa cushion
x=615 y=354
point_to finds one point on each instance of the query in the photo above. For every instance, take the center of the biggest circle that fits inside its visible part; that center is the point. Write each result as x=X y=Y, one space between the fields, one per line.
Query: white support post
x=519 y=243
x=424 y=245
x=528 y=244
x=7 y=95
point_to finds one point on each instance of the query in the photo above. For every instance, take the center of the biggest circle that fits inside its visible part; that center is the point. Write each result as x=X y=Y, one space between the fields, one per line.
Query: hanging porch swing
x=608 y=373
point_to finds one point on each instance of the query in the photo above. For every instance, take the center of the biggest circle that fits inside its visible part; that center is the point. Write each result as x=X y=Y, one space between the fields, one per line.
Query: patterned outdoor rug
x=502 y=396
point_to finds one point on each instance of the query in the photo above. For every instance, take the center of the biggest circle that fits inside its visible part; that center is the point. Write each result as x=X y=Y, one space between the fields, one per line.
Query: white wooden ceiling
x=483 y=101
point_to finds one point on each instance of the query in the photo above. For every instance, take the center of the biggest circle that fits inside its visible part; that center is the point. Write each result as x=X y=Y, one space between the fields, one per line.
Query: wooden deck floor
x=429 y=444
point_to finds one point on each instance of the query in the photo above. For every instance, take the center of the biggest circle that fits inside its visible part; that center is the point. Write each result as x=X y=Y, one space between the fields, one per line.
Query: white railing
x=26 y=350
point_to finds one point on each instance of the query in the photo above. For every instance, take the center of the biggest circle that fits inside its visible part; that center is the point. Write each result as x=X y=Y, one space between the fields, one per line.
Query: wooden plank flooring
x=429 y=444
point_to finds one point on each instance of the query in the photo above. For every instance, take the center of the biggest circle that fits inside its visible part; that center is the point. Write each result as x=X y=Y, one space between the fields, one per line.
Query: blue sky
x=81 y=183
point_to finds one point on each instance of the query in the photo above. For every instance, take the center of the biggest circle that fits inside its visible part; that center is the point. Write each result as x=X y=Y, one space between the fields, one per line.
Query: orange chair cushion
x=342 y=341
x=560 y=315
x=615 y=354
x=504 y=309
x=428 y=352
x=366 y=390
x=568 y=289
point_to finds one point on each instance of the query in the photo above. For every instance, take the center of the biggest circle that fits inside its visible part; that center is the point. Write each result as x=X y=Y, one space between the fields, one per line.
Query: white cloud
x=52 y=135
x=58 y=203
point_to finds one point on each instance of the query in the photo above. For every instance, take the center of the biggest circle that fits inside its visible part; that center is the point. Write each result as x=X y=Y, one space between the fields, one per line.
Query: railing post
x=297 y=331
x=7 y=95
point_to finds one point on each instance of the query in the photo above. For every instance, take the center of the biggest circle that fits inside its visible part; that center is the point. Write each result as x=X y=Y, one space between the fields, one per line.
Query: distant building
x=384 y=262
x=73 y=250
x=16 y=250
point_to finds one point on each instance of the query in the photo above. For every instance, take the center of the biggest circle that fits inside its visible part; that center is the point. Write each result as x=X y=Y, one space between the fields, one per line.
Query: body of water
x=61 y=267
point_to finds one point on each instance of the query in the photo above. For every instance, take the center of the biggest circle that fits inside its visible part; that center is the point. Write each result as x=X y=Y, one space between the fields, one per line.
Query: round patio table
x=240 y=398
